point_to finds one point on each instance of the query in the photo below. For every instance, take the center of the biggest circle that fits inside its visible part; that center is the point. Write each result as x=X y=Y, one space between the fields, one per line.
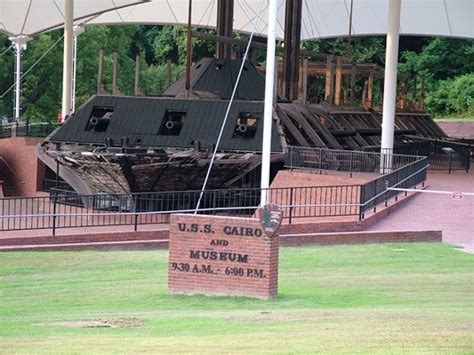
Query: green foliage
x=363 y=49
x=453 y=96
x=445 y=58
x=6 y=76
x=447 y=65
x=435 y=59
x=155 y=78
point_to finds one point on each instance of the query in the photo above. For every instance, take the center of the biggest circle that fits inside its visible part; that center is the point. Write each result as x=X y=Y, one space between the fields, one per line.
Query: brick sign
x=215 y=255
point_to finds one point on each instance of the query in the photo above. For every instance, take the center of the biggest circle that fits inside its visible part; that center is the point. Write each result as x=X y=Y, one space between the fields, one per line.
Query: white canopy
x=321 y=18
x=30 y=17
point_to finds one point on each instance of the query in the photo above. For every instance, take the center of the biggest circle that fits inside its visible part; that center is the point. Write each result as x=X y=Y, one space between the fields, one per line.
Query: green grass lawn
x=467 y=118
x=369 y=298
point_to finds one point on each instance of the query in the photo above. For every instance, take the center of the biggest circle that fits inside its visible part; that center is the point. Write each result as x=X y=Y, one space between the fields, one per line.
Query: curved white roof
x=30 y=17
x=321 y=18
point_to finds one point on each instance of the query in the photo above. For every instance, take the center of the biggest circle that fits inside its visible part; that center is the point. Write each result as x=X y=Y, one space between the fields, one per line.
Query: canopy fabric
x=30 y=17
x=320 y=18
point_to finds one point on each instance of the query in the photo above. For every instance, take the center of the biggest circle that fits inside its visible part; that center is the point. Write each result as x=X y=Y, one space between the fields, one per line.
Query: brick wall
x=198 y=265
x=19 y=152
x=361 y=238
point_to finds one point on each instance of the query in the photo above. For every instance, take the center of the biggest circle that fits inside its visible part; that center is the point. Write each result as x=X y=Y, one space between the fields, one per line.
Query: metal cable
x=228 y=108
x=34 y=64
x=6 y=50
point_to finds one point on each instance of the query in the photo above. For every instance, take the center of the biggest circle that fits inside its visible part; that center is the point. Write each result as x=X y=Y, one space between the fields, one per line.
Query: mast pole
x=390 y=86
x=67 y=58
x=189 y=45
x=268 y=104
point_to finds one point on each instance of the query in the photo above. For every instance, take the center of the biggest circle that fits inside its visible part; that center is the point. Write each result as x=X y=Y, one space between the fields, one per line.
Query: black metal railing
x=345 y=160
x=37 y=129
x=27 y=129
x=5 y=131
x=375 y=192
x=49 y=184
x=442 y=155
x=63 y=209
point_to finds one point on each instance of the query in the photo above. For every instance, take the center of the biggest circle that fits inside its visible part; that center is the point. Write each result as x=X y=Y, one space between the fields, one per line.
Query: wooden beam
x=137 y=90
x=225 y=18
x=303 y=92
x=168 y=72
x=422 y=98
x=189 y=48
x=370 y=87
x=337 y=96
x=364 y=93
x=100 y=72
x=295 y=114
x=404 y=93
x=415 y=80
x=329 y=80
x=286 y=121
x=353 y=84
x=115 y=89
x=292 y=42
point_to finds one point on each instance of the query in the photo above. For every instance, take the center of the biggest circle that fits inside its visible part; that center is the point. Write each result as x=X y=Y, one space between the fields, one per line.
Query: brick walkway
x=428 y=211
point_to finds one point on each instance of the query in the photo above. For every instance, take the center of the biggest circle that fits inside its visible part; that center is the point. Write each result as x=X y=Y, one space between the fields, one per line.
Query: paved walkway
x=428 y=211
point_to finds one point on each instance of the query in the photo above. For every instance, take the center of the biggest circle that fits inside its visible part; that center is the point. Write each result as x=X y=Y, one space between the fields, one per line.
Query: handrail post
x=135 y=227
x=291 y=206
x=361 y=202
x=290 y=153
x=54 y=211
x=350 y=164
x=321 y=151
x=450 y=162
x=467 y=158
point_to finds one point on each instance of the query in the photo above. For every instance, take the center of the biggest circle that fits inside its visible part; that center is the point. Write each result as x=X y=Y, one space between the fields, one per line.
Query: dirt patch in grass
x=98 y=323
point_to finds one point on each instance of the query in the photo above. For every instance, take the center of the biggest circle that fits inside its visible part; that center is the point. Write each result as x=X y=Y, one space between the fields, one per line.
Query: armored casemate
x=123 y=144
x=128 y=144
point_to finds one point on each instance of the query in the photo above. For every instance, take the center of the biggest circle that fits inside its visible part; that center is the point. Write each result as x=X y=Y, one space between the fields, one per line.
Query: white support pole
x=77 y=30
x=19 y=45
x=17 y=81
x=268 y=105
x=390 y=85
x=67 y=58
